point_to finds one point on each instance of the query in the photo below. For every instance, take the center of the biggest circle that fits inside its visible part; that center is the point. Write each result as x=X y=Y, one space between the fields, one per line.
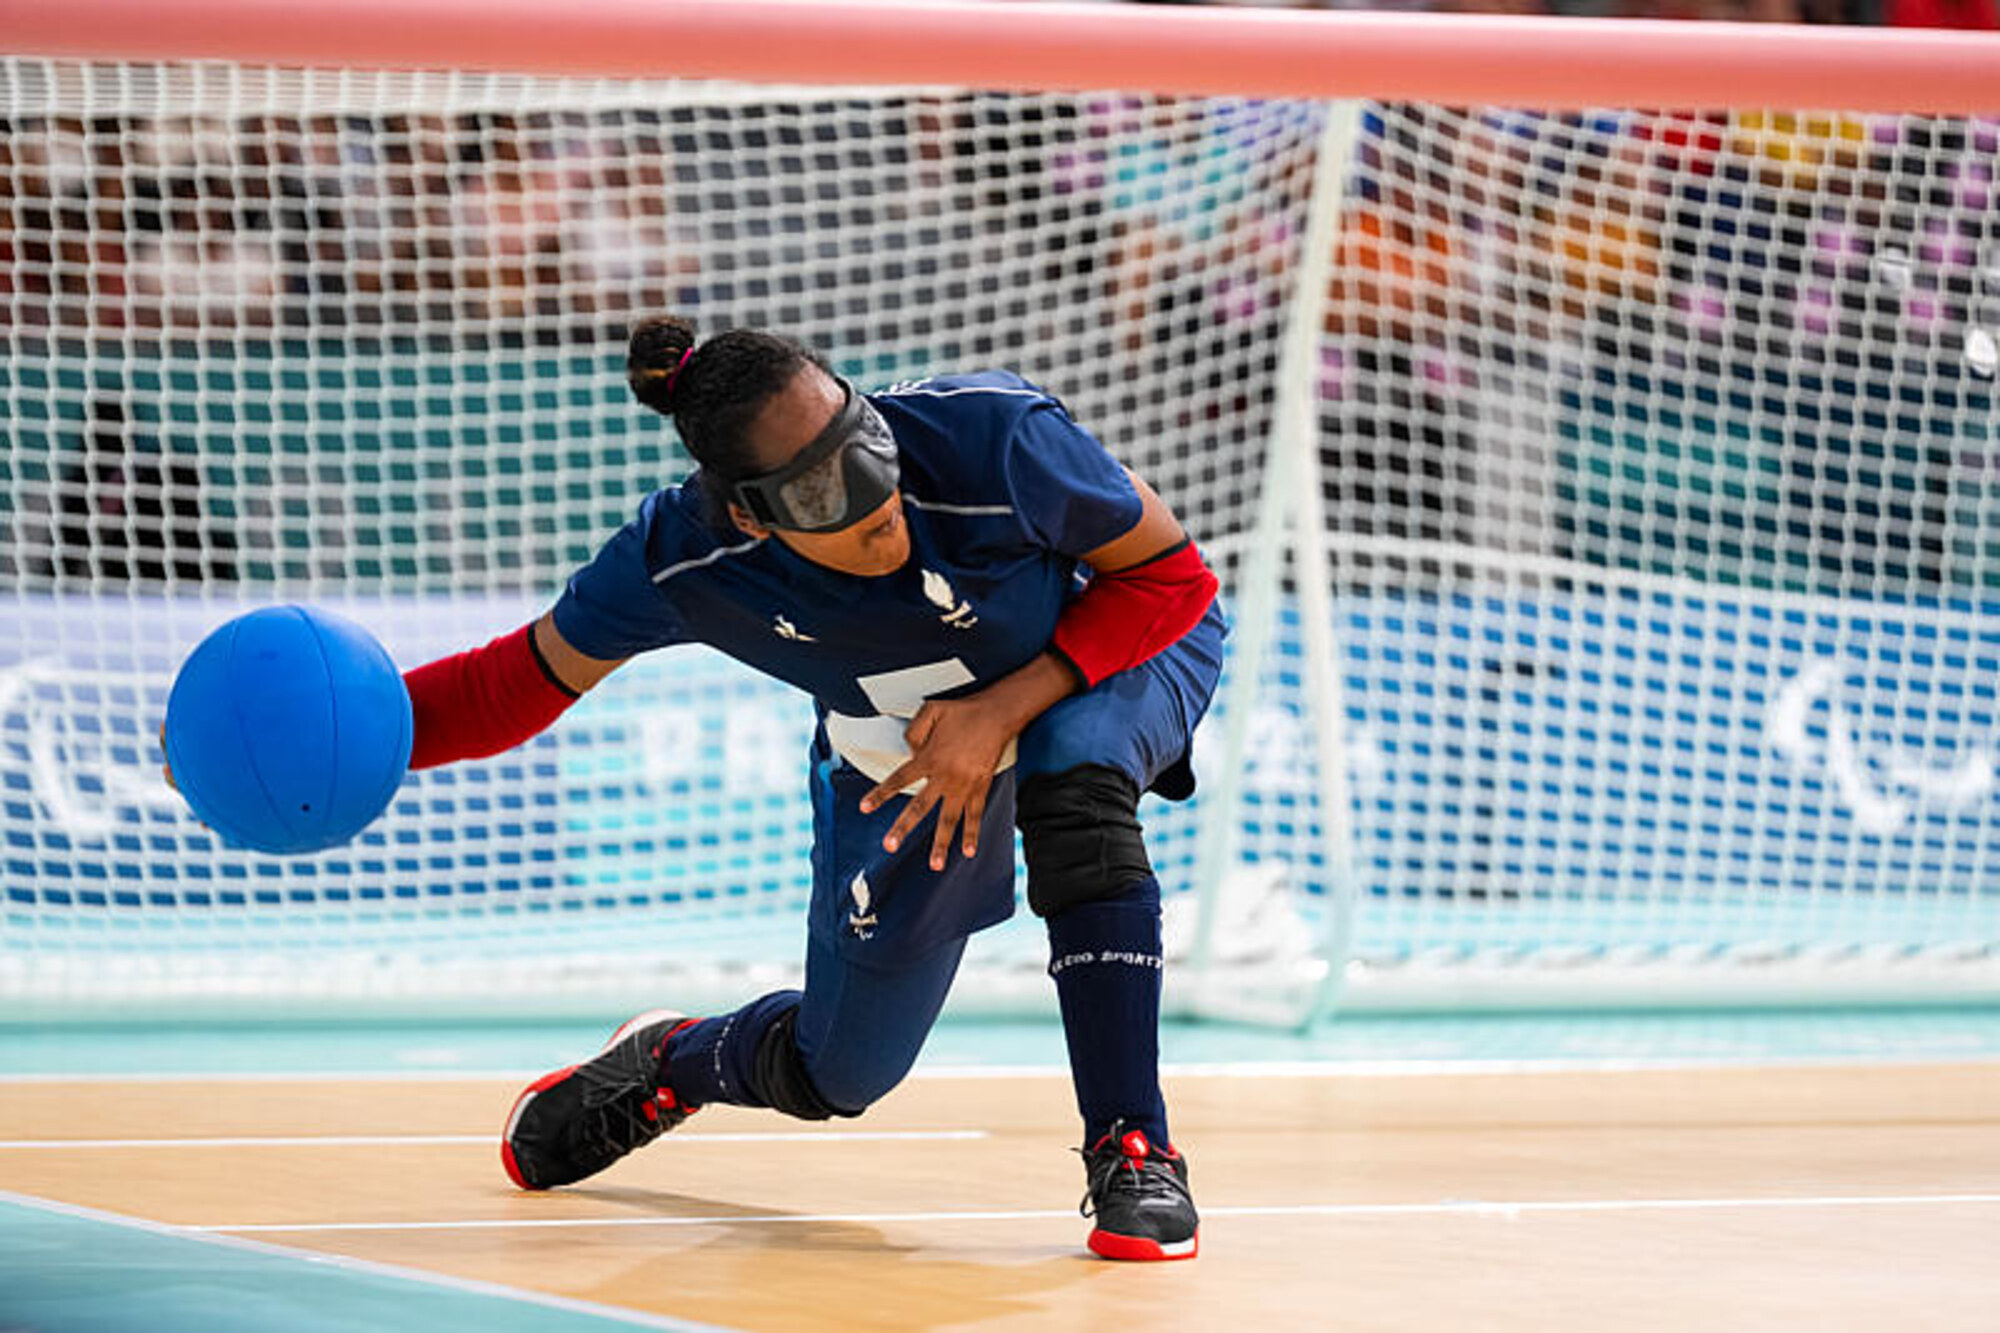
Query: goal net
x=1602 y=499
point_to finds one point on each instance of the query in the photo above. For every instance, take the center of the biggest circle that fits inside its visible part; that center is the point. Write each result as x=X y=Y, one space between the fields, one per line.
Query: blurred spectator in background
x=199 y=252
x=507 y=220
x=1488 y=264
x=127 y=510
x=1978 y=14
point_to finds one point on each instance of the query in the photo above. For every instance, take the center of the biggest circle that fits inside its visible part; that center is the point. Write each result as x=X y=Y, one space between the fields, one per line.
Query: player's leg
x=1089 y=878
x=829 y=1050
x=864 y=1027
x=885 y=935
x=1090 y=881
x=1083 y=766
x=885 y=938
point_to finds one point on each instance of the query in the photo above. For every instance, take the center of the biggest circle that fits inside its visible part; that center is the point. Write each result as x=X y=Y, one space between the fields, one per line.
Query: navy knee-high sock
x=1105 y=958
x=715 y=1060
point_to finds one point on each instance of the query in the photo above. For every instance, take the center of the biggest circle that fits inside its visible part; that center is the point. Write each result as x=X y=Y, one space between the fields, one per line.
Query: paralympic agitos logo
x=1882 y=779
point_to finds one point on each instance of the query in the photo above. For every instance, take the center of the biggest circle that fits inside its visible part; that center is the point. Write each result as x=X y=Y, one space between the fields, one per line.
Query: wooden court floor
x=1823 y=1197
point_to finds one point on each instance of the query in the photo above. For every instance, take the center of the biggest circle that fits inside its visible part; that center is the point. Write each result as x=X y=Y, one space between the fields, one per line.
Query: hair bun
x=653 y=359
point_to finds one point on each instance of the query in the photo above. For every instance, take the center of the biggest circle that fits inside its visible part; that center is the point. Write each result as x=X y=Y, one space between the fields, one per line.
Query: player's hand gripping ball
x=288 y=730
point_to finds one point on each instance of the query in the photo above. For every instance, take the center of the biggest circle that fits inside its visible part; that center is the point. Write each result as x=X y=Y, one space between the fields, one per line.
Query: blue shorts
x=882 y=909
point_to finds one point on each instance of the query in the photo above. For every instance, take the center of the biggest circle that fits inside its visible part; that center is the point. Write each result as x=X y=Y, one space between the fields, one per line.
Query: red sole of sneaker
x=550 y=1080
x=1137 y=1249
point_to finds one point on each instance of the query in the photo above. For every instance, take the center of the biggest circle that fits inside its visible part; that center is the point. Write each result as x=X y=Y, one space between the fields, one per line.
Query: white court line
x=1445 y=1207
x=1275 y=1069
x=323 y=1259
x=1335 y=1068
x=492 y=1140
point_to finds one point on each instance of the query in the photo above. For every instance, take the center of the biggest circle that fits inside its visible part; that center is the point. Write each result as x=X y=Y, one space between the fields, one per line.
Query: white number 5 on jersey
x=875 y=745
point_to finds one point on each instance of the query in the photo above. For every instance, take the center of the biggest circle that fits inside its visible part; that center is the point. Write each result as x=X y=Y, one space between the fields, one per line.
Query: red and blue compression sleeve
x=483 y=701
x=1127 y=616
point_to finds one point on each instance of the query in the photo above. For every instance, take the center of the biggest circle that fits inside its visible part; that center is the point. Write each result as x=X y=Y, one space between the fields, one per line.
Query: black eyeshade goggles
x=840 y=478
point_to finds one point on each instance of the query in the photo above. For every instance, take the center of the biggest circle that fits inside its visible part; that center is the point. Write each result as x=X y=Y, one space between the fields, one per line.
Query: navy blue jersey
x=1002 y=492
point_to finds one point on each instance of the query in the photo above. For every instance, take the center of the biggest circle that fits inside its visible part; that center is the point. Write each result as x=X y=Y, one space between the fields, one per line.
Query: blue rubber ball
x=288 y=730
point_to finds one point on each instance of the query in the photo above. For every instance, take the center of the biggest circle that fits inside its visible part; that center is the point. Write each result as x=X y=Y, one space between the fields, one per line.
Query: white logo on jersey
x=957 y=614
x=861 y=921
x=785 y=629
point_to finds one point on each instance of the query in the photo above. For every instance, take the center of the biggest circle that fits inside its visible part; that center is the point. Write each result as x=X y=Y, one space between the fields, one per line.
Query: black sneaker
x=577 y=1121
x=1138 y=1192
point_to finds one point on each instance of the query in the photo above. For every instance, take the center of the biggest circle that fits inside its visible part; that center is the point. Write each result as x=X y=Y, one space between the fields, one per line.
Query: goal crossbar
x=1452 y=59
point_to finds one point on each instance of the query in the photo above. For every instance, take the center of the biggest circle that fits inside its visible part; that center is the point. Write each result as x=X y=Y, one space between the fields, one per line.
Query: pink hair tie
x=675 y=373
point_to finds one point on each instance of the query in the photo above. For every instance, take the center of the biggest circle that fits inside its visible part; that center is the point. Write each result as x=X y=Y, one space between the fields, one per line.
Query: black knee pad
x=1080 y=837
x=782 y=1076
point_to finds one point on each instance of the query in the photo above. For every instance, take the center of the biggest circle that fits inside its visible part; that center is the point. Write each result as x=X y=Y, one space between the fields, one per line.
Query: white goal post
x=1606 y=497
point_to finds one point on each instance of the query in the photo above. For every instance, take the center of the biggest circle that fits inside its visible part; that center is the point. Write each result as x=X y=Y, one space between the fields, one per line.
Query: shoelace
x=630 y=1110
x=1111 y=1169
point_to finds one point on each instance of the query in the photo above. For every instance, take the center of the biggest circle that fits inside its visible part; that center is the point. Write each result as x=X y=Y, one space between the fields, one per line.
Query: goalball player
x=912 y=560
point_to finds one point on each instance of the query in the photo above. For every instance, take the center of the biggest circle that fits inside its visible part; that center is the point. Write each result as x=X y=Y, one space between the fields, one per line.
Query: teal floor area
x=72 y=1270
x=417 y=1047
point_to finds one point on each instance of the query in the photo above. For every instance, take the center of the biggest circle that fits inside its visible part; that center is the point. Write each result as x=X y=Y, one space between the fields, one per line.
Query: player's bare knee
x=1080 y=836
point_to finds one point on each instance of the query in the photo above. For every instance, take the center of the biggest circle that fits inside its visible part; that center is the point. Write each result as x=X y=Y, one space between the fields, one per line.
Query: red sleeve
x=1127 y=616
x=483 y=701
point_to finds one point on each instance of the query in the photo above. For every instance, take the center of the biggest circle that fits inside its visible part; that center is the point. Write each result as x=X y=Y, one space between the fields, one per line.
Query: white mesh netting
x=1652 y=455
x=1657 y=456
x=356 y=339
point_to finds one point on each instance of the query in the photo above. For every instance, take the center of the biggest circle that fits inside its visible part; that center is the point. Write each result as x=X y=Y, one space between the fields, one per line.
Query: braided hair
x=712 y=392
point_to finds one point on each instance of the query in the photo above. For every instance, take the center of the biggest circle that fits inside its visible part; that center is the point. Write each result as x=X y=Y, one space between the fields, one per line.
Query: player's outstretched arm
x=493 y=698
x=481 y=702
x=571 y=667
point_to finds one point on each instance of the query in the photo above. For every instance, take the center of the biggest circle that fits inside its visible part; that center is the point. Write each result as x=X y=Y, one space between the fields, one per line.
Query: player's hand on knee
x=955 y=745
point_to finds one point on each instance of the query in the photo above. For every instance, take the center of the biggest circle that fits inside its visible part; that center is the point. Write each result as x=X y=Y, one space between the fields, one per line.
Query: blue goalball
x=288 y=730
